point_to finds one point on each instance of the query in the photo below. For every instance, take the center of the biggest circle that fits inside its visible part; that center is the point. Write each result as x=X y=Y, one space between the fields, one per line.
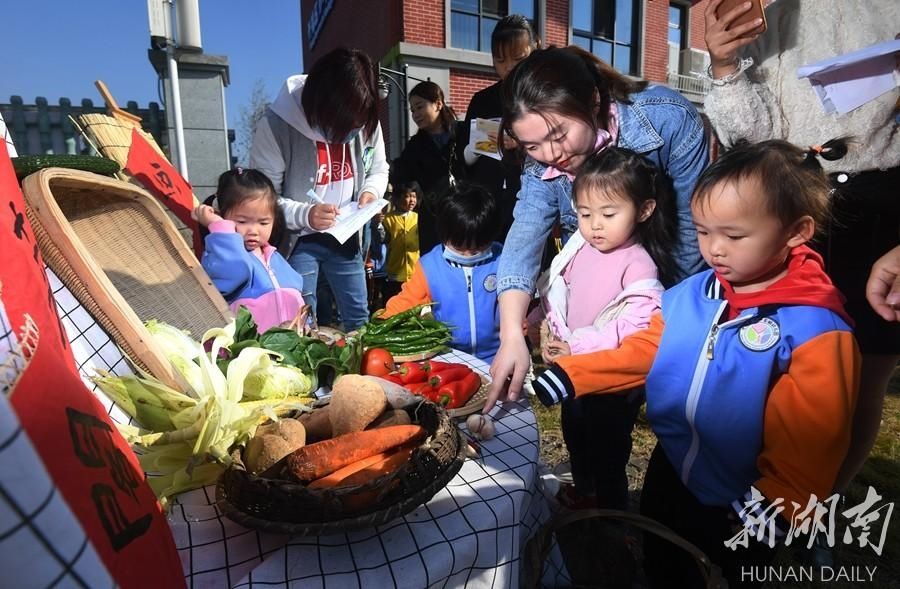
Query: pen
x=312 y=194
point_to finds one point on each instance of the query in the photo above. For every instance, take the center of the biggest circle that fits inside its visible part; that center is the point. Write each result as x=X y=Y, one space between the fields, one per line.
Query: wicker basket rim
x=444 y=429
x=374 y=518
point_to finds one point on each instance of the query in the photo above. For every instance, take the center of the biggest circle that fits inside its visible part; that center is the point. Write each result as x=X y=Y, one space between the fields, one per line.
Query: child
x=402 y=235
x=460 y=273
x=594 y=296
x=244 y=267
x=603 y=286
x=751 y=368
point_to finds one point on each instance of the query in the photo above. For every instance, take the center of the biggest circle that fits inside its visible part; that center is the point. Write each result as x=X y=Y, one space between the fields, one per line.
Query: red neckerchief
x=805 y=284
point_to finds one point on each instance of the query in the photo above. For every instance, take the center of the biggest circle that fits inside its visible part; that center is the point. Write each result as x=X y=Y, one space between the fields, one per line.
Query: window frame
x=685 y=24
x=482 y=16
x=633 y=46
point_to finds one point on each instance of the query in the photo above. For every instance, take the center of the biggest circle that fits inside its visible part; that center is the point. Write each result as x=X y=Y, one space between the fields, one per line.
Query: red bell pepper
x=412 y=372
x=457 y=393
x=423 y=389
x=452 y=374
x=433 y=366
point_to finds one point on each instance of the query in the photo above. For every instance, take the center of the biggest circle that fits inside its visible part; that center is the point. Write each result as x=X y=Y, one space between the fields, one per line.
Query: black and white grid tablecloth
x=470 y=534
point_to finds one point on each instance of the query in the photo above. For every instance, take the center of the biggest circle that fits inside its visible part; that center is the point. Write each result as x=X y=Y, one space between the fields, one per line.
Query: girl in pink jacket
x=603 y=286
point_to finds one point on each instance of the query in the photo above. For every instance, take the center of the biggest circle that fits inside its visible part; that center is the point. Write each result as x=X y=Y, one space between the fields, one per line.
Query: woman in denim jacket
x=563 y=105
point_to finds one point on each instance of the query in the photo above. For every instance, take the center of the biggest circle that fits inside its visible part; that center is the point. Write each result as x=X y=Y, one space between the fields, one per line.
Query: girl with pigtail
x=751 y=369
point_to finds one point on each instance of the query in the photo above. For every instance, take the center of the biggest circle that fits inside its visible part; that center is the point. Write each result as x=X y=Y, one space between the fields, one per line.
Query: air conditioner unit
x=693 y=61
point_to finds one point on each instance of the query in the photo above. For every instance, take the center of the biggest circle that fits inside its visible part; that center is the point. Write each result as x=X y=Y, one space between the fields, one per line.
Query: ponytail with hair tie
x=831 y=150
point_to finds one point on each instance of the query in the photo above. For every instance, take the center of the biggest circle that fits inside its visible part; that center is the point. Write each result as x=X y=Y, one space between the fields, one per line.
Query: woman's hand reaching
x=508 y=371
x=883 y=288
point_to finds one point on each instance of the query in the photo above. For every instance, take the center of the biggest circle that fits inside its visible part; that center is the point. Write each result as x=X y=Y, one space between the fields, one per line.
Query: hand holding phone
x=731 y=25
x=751 y=15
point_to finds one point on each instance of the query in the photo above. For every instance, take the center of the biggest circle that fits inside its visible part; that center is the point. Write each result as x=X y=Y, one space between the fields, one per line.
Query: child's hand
x=205 y=215
x=554 y=350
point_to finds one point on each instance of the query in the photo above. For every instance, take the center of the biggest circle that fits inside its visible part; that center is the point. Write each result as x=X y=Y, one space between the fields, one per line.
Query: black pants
x=865 y=225
x=597 y=431
x=666 y=499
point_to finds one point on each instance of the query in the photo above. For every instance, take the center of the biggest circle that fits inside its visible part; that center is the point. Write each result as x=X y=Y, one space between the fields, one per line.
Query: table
x=470 y=534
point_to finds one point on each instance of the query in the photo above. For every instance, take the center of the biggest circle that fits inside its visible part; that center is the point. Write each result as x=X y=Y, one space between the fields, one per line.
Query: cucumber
x=28 y=164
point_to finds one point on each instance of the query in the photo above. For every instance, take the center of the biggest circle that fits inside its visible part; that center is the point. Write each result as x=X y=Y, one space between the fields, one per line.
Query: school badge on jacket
x=761 y=335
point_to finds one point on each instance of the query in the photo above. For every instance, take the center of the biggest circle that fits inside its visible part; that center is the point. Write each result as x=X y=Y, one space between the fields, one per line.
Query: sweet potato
x=391 y=417
x=323 y=458
x=317 y=424
x=355 y=403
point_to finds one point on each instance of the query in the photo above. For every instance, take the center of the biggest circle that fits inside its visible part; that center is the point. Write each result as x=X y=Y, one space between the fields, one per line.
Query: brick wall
x=463 y=84
x=698 y=25
x=557 y=26
x=351 y=24
x=423 y=21
x=656 y=46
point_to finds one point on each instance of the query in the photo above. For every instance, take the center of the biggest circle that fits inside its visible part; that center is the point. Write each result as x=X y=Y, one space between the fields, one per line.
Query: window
x=678 y=34
x=608 y=29
x=473 y=21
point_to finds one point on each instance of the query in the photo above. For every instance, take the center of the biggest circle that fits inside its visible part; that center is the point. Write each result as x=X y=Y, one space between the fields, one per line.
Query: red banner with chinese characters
x=158 y=176
x=89 y=461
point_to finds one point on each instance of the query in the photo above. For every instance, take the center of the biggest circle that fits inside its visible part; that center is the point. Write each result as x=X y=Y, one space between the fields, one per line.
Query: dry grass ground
x=881 y=472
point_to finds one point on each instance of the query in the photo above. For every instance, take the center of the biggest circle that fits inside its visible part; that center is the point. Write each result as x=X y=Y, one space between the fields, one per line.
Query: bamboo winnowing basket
x=115 y=248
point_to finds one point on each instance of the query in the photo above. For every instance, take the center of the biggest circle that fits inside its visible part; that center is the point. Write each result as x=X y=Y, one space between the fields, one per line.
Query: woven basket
x=115 y=248
x=286 y=506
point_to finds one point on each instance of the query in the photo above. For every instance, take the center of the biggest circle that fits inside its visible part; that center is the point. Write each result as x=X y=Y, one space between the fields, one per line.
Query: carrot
x=332 y=480
x=323 y=458
x=338 y=478
x=385 y=466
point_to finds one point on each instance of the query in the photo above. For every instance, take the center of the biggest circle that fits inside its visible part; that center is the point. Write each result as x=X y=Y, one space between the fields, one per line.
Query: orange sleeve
x=609 y=371
x=414 y=292
x=807 y=421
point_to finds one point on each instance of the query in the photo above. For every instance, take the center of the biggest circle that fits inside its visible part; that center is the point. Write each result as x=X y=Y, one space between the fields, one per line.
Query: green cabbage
x=275 y=382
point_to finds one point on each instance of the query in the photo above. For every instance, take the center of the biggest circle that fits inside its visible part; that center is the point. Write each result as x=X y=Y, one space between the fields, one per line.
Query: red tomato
x=377 y=362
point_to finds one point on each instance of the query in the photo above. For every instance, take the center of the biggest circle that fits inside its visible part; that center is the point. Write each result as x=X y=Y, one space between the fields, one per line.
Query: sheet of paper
x=352 y=218
x=480 y=140
x=846 y=82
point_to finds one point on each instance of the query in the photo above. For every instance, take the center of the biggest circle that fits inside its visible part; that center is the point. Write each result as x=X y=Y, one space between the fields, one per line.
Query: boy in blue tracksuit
x=751 y=369
x=460 y=274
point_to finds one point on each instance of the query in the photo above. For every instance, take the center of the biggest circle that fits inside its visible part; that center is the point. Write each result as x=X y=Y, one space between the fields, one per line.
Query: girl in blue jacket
x=244 y=267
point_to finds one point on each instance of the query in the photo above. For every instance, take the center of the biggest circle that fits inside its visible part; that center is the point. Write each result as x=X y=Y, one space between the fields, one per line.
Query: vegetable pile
x=184 y=438
x=310 y=355
x=444 y=383
x=414 y=331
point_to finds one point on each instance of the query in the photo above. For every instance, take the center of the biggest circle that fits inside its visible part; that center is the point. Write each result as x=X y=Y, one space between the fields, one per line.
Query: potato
x=317 y=424
x=391 y=417
x=356 y=402
x=289 y=430
x=273 y=442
